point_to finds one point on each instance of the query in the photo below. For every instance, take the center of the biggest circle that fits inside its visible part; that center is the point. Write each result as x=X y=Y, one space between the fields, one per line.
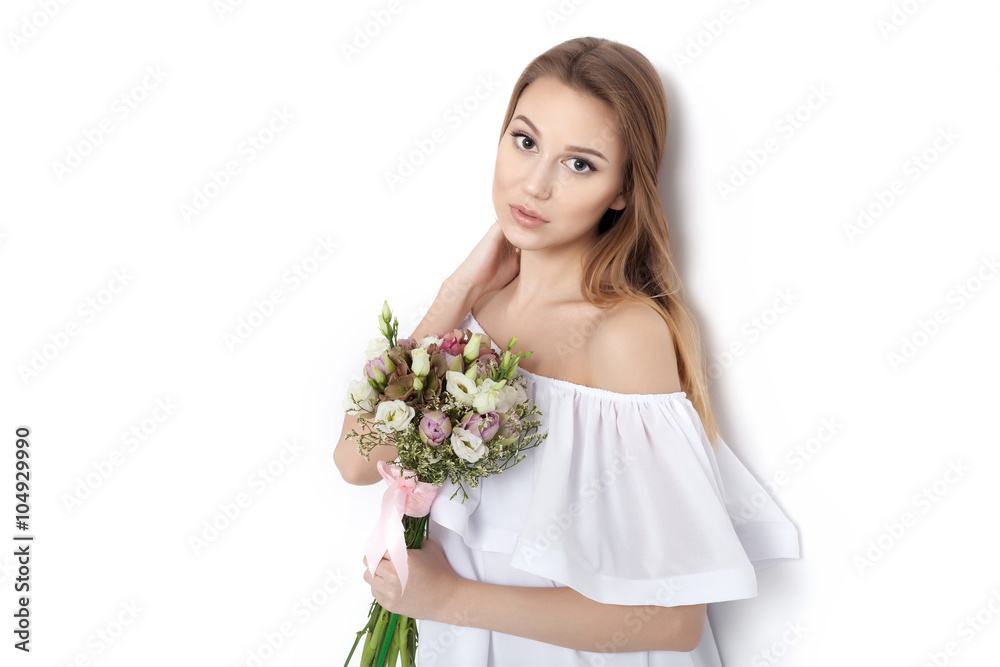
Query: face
x=560 y=161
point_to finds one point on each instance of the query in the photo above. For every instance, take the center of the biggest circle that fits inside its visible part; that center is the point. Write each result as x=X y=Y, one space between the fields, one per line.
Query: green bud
x=389 y=366
x=471 y=352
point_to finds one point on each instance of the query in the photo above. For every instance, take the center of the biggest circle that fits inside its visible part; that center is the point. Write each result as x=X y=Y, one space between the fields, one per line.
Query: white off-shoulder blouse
x=626 y=502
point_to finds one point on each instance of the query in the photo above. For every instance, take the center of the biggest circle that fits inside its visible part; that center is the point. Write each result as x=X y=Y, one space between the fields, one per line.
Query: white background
x=321 y=179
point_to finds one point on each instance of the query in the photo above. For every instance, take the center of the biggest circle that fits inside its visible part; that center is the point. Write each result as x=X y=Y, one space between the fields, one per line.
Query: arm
x=564 y=617
x=453 y=302
x=353 y=467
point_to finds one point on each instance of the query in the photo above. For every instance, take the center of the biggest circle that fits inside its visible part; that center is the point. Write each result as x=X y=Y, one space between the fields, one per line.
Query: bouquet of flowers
x=453 y=410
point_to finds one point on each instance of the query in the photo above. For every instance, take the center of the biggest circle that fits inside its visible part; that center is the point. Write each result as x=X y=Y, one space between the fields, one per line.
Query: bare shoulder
x=632 y=352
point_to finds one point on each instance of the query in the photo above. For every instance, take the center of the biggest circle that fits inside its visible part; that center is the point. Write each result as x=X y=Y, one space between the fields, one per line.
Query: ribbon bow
x=405 y=495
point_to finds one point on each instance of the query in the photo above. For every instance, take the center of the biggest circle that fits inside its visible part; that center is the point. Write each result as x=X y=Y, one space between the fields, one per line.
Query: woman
x=607 y=542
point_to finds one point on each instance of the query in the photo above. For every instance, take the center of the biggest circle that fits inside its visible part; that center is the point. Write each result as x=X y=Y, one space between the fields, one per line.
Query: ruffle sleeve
x=767 y=536
x=627 y=503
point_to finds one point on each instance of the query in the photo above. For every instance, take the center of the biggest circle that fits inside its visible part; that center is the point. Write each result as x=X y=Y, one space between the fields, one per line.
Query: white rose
x=486 y=397
x=510 y=396
x=467 y=445
x=393 y=416
x=376 y=347
x=360 y=393
x=461 y=387
x=421 y=362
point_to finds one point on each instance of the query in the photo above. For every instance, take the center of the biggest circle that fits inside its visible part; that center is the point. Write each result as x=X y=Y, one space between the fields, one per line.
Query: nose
x=538 y=180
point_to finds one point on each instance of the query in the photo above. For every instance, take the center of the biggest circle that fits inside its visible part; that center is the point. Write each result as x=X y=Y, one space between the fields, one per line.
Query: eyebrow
x=578 y=149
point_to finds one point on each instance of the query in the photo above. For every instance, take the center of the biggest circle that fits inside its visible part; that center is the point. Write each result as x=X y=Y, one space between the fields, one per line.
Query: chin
x=514 y=234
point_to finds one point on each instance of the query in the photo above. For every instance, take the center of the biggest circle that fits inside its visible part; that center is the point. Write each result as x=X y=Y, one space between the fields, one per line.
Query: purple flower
x=375 y=369
x=485 y=425
x=509 y=428
x=435 y=427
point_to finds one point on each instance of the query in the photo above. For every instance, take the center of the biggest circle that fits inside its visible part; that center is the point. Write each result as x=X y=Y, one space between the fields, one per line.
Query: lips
x=531 y=213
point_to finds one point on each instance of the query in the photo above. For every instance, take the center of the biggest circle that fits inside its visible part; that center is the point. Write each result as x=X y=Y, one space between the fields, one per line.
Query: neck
x=547 y=278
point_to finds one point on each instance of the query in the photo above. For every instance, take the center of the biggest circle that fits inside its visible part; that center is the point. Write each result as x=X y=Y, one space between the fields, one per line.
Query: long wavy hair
x=630 y=260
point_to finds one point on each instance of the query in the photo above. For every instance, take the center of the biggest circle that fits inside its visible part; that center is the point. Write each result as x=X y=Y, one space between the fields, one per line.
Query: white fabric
x=626 y=502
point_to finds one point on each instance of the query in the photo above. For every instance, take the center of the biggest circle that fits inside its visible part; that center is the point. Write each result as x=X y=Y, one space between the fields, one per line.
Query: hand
x=492 y=263
x=430 y=586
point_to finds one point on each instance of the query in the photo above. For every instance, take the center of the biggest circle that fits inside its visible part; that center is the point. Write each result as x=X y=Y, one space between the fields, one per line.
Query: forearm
x=352 y=465
x=453 y=302
x=564 y=617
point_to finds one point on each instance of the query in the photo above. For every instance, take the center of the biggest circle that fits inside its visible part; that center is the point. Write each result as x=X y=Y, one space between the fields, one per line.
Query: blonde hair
x=631 y=259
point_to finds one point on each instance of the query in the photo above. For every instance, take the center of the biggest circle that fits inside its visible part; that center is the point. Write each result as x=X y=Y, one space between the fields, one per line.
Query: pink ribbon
x=405 y=495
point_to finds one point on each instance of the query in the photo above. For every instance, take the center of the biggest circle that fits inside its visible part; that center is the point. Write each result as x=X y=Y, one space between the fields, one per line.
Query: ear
x=619 y=203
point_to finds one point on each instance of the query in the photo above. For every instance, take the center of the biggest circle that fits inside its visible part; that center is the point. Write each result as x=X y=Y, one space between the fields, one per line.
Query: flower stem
x=375 y=639
x=372 y=618
x=394 y=648
x=390 y=638
x=408 y=644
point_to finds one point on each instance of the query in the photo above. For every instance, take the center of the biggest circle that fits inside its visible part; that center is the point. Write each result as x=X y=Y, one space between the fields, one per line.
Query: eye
x=580 y=162
x=521 y=144
x=577 y=165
